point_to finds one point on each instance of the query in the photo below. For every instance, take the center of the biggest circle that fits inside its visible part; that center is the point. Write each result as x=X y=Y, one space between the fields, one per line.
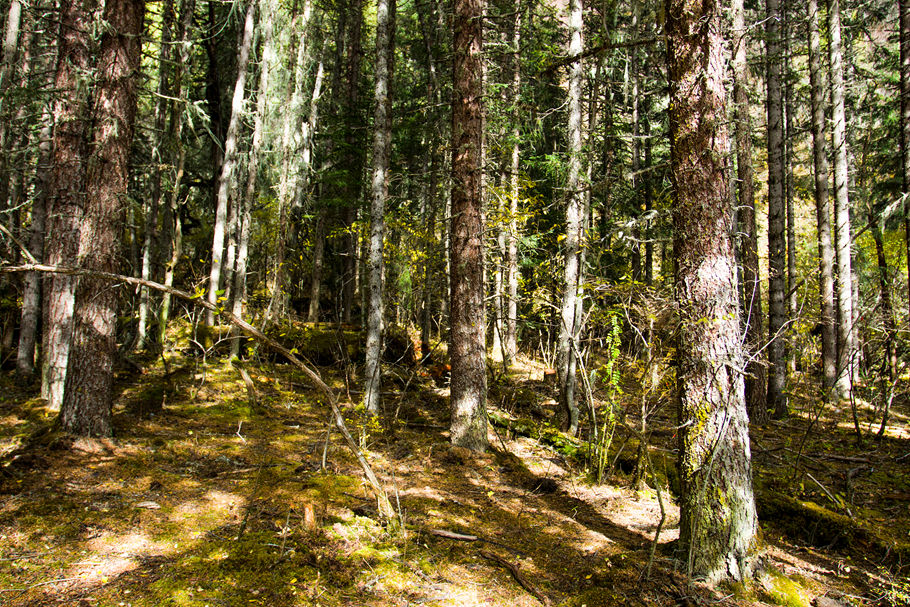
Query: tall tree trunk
x=267 y=11
x=904 y=9
x=570 y=322
x=790 y=353
x=846 y=330
x=172 y=240
x=822 y=205
x=159 y=142
x=229 y=163
x=717 y=509
x=88 y=399
x=31 y=295
x=777 y=245
x=354 y=161
x=511 y=263
x=67 y=190
x=467 y=343
x=756 y=375
x=379 y=190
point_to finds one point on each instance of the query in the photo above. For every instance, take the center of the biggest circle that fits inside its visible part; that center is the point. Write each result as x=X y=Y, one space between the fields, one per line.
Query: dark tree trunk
x=467 y=343
x=777 y=244
x=87 y=399
x=717 y=508
x=756 y=375
x=904 y=8
x=67 y=190
x=822 y=205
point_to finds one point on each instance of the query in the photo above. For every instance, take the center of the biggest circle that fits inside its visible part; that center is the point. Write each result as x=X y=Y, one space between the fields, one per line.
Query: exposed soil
x=206 y=497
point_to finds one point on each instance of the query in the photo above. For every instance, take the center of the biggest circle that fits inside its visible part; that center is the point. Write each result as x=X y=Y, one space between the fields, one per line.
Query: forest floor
x=217 y=498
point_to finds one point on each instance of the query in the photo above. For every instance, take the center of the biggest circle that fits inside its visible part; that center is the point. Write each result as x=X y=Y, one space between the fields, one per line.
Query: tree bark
x=511 y=263
x=87 y=398
x=467 y=344
x=822 y=205
x=225 y=181
x=756 y=375
x=379 y=190
x=777 y=244
x=570 y=320
x=717 y=508
x=67 y=190
x=31 y=295
x=904 y=24
x=846 y=330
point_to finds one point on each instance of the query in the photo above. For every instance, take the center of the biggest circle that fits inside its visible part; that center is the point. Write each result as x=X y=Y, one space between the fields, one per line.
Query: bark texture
x=570 y=319
x=379 y=192
x=904 y=23
x=87 y=399
x=717 y=508
x=822 y=204
x=777 y=243
x=67 y=189
x=467 y=342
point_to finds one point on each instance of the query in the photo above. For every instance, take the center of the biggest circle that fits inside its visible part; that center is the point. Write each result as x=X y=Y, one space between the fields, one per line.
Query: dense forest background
x=674 y=230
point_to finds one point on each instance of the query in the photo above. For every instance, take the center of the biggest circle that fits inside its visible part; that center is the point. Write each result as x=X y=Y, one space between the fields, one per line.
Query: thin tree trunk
x=822 y=205
x=267 y=11
x=173 y=232
x=756 y=375
x=904 y=9
x=67 y=191
x=717 y=510
x=570 y=324
x=88 y=398
x=511 y=325
x=379 y=186
x=790 y=353
x=354 y=162
x=229 y=163
x=846 y=330
x=31 y=296
x=160 y=141
x=777 y=244
x=467 y=345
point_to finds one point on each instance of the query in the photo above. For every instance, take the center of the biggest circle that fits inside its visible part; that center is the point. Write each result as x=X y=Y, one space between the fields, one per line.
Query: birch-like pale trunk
x=904 y=24
x=379 y=191
x=513 y=224
x=570 y=322
x=846 y=357
x=229 y=163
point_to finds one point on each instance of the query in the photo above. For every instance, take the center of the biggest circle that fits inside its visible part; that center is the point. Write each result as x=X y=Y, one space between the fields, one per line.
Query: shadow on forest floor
x=208 y=498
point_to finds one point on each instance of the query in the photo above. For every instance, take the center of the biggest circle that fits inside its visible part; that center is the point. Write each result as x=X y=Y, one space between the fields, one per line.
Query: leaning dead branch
x=385 y=506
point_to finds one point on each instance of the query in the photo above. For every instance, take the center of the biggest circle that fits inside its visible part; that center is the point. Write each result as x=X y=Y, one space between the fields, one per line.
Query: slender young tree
x=268 y=10
x=717 y=508
x=842 y=250
x=904 y=24
x=467 y=342
x=88 y=399
x=822 y=204
x=229 y=163
x=777 y=244
x=570 y=319
x=159 y=136
x=756 y=375
x=511 y=261
x=379 y=191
